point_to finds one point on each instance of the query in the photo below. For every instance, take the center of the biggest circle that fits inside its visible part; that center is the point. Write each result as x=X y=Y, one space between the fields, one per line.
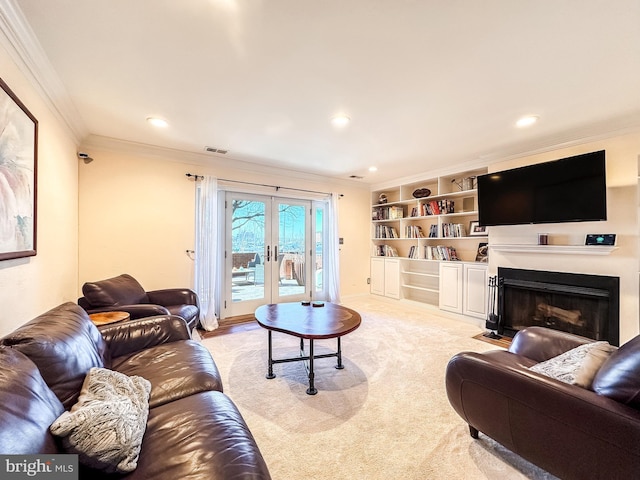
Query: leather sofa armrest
x=540 y=343
x=173 y=296
x=132 y=336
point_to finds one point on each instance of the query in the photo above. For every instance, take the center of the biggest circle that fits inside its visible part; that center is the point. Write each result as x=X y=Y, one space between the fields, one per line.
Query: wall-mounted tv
x=572 y=189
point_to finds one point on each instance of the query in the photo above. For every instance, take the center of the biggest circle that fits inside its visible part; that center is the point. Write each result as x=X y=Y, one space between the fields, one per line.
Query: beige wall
x=136 y=216
x=622 y=155
x=30 y=286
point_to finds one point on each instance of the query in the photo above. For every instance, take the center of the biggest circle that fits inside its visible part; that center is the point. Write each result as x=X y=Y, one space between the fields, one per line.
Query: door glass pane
x=292 y=227
x=318 y=275
x=247 y=249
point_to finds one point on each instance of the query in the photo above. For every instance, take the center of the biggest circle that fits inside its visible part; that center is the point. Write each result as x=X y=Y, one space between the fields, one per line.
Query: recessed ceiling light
x=373 y=169
x=340 y=121
x=527 y=121
x=158 y=122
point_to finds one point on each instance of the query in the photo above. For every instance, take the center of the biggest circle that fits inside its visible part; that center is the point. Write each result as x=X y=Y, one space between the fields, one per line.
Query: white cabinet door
x=451 y=286
x=475 y=290
x=392 y=278
x=377 y=276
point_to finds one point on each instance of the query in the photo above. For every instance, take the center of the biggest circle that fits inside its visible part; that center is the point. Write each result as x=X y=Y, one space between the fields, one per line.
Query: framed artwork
x=482 y=255
x=18 y=177
x=476 y=229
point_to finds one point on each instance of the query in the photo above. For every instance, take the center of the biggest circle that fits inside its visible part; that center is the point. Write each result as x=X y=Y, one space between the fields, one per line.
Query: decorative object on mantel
x=382 y=198
x=466 y=183
x=543 y=239
x=600 y=239
x=421 y=193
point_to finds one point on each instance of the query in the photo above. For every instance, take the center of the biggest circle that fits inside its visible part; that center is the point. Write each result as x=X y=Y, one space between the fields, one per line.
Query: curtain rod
x=200 y=177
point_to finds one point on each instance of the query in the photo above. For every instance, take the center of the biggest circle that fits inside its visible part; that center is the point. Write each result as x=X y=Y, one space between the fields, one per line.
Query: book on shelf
x=413 y=231
x=386 y=251
x=433 y=231
x=396 y=212
x=413 y=252
x=433 y=207
x=387 y=213
x=385 y=231
x=453 y=230
x=440 y=252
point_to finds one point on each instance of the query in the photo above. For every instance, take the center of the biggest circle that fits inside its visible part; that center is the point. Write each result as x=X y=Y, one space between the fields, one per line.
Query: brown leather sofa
x=124 y=293
x=570 y=431
x=193 y=431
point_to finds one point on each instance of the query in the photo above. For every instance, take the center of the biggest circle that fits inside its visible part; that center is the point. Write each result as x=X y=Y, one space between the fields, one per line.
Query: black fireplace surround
x=586 y=305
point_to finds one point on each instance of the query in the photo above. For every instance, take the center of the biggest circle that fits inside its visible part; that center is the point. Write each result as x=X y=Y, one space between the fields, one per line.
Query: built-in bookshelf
x=433 y=227
x=424 y=230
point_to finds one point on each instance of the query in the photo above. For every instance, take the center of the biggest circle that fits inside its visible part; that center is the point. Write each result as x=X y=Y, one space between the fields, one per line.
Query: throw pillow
x=596 y=356
x=106 y=426
x=566 y=366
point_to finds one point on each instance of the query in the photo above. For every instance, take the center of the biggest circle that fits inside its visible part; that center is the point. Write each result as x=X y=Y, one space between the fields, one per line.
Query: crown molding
x=19 y=40
x=598 y=131
x=207 y=160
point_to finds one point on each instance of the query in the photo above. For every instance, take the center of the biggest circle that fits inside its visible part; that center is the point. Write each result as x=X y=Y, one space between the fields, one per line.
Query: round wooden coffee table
x=104 y=318
x=310 y=321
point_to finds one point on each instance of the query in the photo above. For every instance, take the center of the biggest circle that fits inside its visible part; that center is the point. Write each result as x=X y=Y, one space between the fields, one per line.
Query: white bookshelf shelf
x=421 y=274
x=420 y=289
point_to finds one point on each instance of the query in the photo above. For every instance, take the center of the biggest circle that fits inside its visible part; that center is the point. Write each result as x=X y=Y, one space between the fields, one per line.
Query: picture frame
x=18 y=177
x=475 y=230
x=482 y=254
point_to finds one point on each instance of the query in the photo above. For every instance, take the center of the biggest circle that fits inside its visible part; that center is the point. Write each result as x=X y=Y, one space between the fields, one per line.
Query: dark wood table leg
x=312 y=389
x=339 y=366
x=270 y=374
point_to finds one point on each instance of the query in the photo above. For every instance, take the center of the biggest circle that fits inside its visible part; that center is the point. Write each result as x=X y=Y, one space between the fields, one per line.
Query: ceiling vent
x=216 y=150
x=358 y=177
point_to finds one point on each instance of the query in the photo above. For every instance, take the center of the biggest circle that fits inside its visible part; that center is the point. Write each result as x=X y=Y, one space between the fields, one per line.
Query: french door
x=273 y=251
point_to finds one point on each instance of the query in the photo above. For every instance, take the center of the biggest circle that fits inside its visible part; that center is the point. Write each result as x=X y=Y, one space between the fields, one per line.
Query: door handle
x=275 y=253
x=268 y=252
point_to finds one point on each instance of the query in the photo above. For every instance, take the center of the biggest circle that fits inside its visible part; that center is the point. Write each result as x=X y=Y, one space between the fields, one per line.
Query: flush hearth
x=586 y=305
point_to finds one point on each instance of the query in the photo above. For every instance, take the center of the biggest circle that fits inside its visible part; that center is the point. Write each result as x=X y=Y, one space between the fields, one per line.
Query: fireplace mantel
x=557 y=249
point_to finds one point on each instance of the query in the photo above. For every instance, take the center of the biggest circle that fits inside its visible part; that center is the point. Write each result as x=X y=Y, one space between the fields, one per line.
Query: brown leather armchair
x=124 y=293
x=570 y=431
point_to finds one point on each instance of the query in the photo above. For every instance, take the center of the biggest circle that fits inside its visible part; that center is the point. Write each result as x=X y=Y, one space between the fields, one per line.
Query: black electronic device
x=572 y=189
x=608 y=239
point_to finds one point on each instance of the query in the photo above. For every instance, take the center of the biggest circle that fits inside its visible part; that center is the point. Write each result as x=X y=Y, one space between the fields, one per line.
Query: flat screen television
x=572 y=189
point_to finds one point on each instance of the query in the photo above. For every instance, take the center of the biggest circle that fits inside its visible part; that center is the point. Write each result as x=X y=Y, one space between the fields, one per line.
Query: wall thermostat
x=600 y=239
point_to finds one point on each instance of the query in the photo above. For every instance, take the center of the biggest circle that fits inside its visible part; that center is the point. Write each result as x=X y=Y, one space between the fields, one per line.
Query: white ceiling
x=428 y=84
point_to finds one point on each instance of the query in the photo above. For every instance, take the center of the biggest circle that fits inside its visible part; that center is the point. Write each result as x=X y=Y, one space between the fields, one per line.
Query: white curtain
x=205 y=245
x=333 y=250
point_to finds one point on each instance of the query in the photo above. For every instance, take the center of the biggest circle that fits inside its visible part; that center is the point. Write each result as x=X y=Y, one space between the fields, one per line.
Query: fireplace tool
x=492 y=322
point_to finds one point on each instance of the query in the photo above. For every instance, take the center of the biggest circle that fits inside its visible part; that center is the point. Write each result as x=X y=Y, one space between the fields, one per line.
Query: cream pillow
x=592 y=362
x=577 y=366
x=106 y=426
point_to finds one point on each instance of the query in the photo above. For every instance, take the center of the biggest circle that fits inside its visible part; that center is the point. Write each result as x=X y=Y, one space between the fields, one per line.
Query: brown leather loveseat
x=193 y=430
x=124 y=293
x=573 y=432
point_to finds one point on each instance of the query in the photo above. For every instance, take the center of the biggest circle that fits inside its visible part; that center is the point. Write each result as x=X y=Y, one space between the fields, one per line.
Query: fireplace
x=586 y=305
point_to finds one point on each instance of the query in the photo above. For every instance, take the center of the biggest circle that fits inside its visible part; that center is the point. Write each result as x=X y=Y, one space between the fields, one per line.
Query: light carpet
x=385 y=416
